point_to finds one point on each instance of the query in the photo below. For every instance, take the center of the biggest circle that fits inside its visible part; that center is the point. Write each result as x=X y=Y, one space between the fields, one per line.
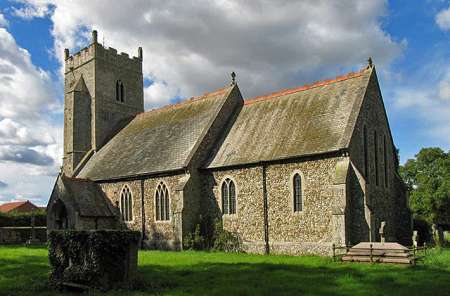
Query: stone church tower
x=103 y=90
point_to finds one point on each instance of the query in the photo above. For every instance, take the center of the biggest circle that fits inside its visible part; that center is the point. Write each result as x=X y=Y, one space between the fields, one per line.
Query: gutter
x=332 y=153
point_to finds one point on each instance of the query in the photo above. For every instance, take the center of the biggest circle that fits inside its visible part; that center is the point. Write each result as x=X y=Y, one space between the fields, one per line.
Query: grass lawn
x=24 y=271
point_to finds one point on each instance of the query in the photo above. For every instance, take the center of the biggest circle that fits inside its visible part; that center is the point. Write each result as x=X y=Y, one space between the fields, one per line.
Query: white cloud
x=3 y=21
x=429 y=101
x=191 y=48
x=443 y=19
x=30 y=142
x=34 y=8
x=444 y=87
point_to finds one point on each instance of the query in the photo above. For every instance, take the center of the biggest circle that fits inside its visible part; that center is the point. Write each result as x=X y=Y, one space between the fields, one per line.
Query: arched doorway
x=60 y=215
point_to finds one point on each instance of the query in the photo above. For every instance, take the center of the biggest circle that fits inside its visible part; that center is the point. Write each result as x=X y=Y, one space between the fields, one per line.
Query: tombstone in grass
x=415 y=238
x=382 y=232
x=438 y=234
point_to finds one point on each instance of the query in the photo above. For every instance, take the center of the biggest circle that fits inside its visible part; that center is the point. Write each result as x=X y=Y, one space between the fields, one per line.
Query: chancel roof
x=158 y=140
x=308 y=120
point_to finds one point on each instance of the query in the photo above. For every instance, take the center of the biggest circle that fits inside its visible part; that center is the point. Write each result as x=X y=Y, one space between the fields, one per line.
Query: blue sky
x=190 y=49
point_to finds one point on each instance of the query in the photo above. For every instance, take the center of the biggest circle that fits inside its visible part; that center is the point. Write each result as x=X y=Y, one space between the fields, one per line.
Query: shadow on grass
x=25 y=272
x=275 y=279
x=23 y=276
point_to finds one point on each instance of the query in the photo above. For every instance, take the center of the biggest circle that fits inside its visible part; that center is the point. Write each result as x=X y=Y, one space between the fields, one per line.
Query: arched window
x=126 y=204
x=366 y=157
x=162 y=204
x=228 y=196
x=297 y=192
x=120 y=91
x=122 y=96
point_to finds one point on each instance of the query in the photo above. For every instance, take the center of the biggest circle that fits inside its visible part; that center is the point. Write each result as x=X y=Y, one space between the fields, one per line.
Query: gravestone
x=415 y=238
x=382 y=230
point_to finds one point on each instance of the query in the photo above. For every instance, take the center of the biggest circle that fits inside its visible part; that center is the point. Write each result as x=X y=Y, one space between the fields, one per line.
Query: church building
x=292 y=172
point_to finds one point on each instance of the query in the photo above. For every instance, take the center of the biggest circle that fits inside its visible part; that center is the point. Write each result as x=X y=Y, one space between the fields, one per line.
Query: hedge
x=23 y=219
x=97 y=259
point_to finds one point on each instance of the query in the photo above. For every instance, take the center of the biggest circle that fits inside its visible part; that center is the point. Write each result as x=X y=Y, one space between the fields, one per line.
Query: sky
x=190 y=47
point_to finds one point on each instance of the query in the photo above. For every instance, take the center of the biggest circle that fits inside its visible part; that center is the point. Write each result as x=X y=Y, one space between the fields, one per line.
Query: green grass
x=24 y=271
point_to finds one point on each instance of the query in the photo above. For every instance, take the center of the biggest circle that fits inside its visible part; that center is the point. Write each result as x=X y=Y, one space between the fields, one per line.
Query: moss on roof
x=156 y=141
x=308 y=120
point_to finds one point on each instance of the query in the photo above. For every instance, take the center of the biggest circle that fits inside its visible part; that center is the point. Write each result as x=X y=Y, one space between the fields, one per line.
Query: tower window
x=228 y=197
x=120 y=91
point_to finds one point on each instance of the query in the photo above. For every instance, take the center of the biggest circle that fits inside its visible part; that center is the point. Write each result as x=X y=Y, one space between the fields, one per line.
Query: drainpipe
x=142 y=213
x=266 y=214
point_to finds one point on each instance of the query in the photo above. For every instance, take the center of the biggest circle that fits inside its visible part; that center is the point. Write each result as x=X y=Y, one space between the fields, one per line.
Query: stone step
x=378 y=253
x=377 y=259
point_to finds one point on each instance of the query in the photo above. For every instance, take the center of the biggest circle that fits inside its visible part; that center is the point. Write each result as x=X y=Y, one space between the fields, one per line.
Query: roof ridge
x=15 y=202
x=77 y=179
x=304 y=87
x=184 y=102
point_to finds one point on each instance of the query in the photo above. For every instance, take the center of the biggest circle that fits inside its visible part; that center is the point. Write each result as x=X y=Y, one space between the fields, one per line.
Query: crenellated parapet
x=107 y=54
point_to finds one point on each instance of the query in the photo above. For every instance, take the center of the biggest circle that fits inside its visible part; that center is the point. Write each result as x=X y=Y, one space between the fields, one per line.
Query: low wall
x=17 y=234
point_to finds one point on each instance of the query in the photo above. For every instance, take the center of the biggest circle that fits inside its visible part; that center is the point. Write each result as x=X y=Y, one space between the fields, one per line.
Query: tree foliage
x=428 y=180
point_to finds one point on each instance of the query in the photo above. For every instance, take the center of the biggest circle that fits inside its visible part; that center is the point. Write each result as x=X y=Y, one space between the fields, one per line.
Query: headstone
x=438 y=234
x=415 y=238
x=382 y=236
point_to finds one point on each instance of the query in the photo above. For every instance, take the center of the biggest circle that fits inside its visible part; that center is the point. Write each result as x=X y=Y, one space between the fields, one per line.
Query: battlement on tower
x=108 y=54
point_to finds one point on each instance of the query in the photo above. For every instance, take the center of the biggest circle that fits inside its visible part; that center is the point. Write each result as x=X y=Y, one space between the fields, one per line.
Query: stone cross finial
x=382 y=226
x=370 y=62
x=233 y=78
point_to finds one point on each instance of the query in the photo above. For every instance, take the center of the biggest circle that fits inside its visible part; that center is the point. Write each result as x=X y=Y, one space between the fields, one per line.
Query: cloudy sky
x=190 y=47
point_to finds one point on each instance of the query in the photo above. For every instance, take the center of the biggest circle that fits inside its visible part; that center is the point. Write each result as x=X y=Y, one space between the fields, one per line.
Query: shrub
x=423 y=229
x=210 y=235
x=98 y=259
x=23 y=219
x=225 y=240
x=195 y=240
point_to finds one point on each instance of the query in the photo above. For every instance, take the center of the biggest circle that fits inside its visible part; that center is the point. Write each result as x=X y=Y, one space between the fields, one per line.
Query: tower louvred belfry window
x=228 y=197
x=126 y=204
x=162 y=203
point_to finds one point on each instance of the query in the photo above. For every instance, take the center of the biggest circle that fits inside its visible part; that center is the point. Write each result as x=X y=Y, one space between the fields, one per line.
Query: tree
x=428 y=180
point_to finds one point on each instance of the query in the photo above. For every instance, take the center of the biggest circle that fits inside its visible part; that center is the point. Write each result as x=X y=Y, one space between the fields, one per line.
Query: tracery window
x=126 y=204
x=366 y=157
x=162 y=203
x=228 y=196
x=375 y=152
x=297 y=192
